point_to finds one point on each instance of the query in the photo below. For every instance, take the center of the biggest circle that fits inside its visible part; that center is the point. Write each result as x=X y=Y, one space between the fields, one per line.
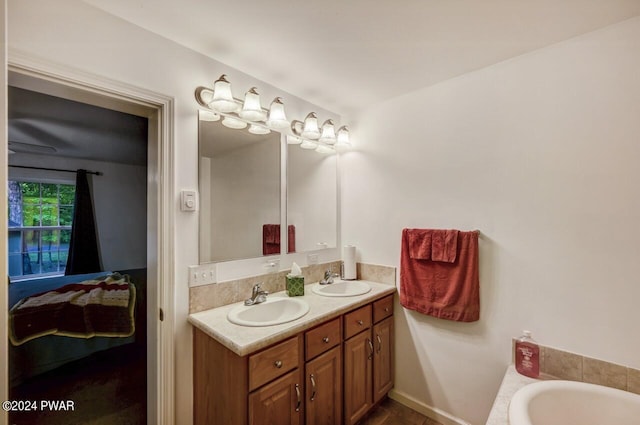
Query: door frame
x=56 y=79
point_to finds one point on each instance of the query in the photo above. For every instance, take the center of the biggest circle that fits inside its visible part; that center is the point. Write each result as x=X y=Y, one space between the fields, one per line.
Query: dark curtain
x=83 y=248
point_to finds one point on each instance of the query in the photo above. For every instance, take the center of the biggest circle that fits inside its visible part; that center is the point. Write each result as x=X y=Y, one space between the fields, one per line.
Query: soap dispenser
x=527 y=356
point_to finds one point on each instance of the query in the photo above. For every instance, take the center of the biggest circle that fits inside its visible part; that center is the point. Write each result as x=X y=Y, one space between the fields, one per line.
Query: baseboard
x=431 y=412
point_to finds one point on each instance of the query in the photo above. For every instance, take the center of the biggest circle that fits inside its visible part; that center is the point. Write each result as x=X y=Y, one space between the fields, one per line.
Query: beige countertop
x=244 y=340
x=511 y=383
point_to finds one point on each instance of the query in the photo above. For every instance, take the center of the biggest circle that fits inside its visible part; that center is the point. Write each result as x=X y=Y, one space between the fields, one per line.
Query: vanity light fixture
x=328 y=135
x=308 y=144
x=277 y=118
x=223 y=100
x=209 y=116
x=258 y=129
x=293 y=140
x=325 y=149
x=343 y=137
x=310 y=128
x=251 y=109
x=234 y=123
x=220 y=103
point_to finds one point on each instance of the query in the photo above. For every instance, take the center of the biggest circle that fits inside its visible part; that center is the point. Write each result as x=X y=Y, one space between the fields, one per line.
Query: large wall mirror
x=240 y=183
x=312 y=198
x=239 y=179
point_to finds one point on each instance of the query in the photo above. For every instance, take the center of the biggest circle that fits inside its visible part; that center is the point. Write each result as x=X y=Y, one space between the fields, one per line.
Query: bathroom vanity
x=329 y=367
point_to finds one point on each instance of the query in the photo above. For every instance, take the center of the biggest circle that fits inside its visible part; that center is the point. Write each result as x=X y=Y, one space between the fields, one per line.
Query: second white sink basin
x=274 y=311
x=342 y=288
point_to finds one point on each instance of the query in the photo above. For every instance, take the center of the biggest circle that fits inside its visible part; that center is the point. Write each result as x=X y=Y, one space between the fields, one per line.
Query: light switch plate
x=205 y=274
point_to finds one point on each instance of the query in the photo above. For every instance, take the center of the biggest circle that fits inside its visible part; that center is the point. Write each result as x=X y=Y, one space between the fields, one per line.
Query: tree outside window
x=40 y=218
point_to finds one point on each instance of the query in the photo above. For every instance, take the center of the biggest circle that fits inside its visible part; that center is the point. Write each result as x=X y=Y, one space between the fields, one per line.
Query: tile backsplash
x=218 y=294
x=575 y=367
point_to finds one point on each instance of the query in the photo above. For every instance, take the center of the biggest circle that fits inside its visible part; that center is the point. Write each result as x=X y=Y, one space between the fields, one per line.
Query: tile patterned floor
x=390 y=412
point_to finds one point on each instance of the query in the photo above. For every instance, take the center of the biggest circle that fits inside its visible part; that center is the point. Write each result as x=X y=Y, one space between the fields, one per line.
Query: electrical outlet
x=205 y=274
x=312 y=259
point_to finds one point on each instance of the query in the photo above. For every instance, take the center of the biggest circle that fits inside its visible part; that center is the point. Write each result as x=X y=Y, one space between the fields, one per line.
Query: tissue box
x=295 y=286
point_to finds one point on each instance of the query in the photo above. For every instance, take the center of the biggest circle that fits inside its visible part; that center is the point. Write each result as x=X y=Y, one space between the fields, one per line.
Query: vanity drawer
x=322 y=338
x=357 y=321
x=382 y=308
x=273 y=362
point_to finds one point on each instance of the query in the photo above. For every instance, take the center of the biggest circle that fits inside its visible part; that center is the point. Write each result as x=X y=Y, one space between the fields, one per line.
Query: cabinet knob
x=360 y=322
x=386 y=309
x=278 y=364
x=325 y=339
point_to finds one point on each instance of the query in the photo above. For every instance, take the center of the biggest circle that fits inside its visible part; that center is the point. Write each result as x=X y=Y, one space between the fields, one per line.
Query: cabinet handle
x=299 y=400
x=360 y=322
x=379 y=343
x=278 y=364
x=386 y=309
x=370 y=348
x=313 y=387
x=325 y=339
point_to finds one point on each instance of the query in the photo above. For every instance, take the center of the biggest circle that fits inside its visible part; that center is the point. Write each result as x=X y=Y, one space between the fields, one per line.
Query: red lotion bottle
x=527 y=356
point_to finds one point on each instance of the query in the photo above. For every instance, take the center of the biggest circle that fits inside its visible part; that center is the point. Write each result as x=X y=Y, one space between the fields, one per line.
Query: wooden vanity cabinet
x=279 y=402
x=323 y=374
x=382 y=358
x=368 y=357
x=331 y=374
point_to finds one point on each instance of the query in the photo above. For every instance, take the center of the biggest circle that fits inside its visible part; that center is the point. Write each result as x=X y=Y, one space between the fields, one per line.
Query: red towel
x=271 y=238
x=447 y=290
x=292 y=238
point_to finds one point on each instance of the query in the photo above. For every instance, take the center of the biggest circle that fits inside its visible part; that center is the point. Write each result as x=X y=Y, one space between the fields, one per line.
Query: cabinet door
x=323 y=402
x=278 y=403
x=382 y=358
x=358 y=393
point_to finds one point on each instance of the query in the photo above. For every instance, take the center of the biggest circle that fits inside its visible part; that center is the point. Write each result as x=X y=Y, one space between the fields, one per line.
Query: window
x=40 y=216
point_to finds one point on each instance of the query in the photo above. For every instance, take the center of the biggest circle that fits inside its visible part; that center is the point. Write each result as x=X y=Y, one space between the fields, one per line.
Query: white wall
x=119 y=202
x=76 y=35
x=540 y=153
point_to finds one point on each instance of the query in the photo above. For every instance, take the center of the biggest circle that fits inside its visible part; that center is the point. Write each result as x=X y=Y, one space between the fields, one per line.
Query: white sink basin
x=274 y=311
x=342 y=288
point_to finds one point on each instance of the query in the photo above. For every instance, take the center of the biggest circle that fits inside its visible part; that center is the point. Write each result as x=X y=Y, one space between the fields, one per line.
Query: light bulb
x=343 y=136
x=234 y=123
x=310 y=129
x=328 y=133
x=258 y=129
x=223 y=100
x=277 y=118
x=251 y=109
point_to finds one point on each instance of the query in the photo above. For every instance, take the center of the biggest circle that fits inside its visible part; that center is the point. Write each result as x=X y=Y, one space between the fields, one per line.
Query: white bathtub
x=573 y=403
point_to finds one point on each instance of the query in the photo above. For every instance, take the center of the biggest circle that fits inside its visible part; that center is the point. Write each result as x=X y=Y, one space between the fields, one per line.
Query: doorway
x=156 y=110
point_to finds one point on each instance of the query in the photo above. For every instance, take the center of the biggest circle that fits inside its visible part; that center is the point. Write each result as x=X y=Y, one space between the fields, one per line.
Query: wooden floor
x=107 y=388
x=390 y=412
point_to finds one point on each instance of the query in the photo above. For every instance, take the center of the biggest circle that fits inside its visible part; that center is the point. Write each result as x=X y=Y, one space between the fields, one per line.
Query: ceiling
x=345 y=55
x=42 y=124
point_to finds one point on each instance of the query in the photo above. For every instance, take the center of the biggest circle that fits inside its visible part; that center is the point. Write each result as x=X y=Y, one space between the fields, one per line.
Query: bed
x=34 y=352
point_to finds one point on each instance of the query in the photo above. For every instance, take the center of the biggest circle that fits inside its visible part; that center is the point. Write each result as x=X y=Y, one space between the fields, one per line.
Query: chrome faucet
x=328 y=277
x=257 y=295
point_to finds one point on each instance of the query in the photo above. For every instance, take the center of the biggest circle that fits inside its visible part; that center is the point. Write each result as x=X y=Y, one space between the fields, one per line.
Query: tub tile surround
x=220 y=294
x=575 y=367
x=558 y=364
